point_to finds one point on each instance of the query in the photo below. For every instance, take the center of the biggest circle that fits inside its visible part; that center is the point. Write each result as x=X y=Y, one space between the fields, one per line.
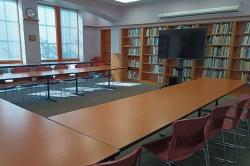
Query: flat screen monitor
x=182 y=43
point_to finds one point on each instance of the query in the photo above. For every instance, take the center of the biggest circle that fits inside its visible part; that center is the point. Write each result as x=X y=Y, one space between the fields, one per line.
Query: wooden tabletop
x=123 y=122
x=8 y=76
x=27 y=139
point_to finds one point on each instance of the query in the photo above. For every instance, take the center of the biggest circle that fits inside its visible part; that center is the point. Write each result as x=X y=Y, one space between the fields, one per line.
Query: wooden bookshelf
x=227 y=53
x=106 y=45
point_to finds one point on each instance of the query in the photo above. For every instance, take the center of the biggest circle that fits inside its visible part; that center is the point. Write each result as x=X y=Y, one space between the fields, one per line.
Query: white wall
x=91 y=43
x=148 y=12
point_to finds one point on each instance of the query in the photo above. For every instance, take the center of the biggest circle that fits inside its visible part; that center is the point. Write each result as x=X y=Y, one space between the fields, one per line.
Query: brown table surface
x=27 y=139
x=123 y=122
x=8 y=76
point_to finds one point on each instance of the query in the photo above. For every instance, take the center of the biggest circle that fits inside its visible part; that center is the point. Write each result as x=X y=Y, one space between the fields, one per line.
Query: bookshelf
x=227 y=53
x=131 y=49
x=106 y=45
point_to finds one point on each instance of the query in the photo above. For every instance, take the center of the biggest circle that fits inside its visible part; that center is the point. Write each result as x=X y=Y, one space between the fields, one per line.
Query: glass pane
x=2 y=10
x=51 y=32
x=11 y=10
x=13 y=31
x=73 y=36
x=65 y=18
x=41 y=14
x=65 y=35
x=3 y=32
x=4 y=52
x=42 y=30
x=47 y=31
x=14 y=50
x=73 y=20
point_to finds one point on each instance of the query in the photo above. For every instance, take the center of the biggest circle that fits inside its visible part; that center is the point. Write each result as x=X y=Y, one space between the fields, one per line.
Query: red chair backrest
x=240 y=106
x=248 y=104
x=215 y=122
x=188 y=137
x=96 y=59
x=82 y=65
x=129 y=160
x=20 y=70
x=43 y=68
x=58 y=67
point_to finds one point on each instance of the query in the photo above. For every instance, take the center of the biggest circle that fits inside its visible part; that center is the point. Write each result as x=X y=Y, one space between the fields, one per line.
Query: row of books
x=214 y=73
x=134 y=32
x=219 y=51
x=154 y=31
x=155 y=60
x=133 y=75
x=220 y=40
x=157 y=69
x=244 y=66
x=160 y=79
x=222 y=28
x=187 y=63
x=184 y=26
x=215 y=63
x=172 y=71
x=185 y=79
x=154 y=50
x=245 y=40
x=186 y=72
x=245 y=76
x=135 y=42
x=245 y=52
x=134 y=63
x=134 y=51
x=247 y=29
x=152 y=41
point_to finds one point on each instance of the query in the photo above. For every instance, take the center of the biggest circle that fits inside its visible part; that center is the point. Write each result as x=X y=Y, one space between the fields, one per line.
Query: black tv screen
x=182 y=43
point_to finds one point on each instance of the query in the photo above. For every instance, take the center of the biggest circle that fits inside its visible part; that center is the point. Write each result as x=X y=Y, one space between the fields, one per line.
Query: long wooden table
x=124 y=122
x=49 y=74
x=27 y=139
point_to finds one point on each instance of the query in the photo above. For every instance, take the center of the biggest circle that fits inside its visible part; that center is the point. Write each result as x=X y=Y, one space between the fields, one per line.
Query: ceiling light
x=126 y=1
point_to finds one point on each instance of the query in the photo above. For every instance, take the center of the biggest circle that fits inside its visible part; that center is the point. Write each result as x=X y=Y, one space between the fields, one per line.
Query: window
x=58 y=33
x=10 y=42
x=47 y=31
x=69 y=29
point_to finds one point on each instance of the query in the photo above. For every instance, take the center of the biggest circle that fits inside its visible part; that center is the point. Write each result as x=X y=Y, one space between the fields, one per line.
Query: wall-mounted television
x=182 y=43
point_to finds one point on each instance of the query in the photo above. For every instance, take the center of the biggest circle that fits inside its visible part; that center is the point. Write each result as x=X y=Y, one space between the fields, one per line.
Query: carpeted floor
x=71 y=102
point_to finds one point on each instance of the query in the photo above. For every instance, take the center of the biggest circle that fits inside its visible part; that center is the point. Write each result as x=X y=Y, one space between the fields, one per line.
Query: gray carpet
x=67 y=104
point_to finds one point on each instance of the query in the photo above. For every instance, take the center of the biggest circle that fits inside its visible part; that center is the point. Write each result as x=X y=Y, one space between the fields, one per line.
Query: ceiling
x=123 y=4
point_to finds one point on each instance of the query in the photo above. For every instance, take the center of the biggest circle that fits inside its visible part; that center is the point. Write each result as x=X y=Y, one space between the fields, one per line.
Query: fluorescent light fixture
x=201 y=11
x=126 y=1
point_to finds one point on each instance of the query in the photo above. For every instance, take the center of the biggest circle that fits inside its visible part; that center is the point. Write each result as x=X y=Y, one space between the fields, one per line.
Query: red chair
x=64 y=77
x=214 y=125
x=130 y=160
x=183 y=143
x=27 y=82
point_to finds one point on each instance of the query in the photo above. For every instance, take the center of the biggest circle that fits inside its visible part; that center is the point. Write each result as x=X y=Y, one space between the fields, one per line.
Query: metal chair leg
x=208 y=156
x=224 y=145
x=236 y=146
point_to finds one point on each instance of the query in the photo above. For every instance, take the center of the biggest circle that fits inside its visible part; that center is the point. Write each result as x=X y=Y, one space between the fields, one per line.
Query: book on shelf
x=157 y=69
x=184 y=26
x=134 y=32
x=219 y=52
x=185 y=79
x=133 y=75
x=135 y=42
x=215 y=63
x=245 y=52
x=160 y=79
x=245 y=76
x=154 y=31
x=155 y=60
x=222 y=28
x=220 y=40
x=244 y=66
x=134 y=63
x=186 y=72
x=152 y=41
x=245 y=40
x=214 y=73
x=134 y=51
x=187 y=63
x=247 y=29
x=154 y=50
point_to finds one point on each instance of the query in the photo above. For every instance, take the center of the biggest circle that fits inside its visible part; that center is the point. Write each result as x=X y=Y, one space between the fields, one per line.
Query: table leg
x=199 y=112
x=109 y=81
x=216 y=102
x=48 y=91
x=77 y=90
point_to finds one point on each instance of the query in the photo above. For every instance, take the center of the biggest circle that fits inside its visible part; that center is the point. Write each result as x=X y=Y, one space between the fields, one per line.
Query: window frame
x=59 y=35
x=20 y=61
